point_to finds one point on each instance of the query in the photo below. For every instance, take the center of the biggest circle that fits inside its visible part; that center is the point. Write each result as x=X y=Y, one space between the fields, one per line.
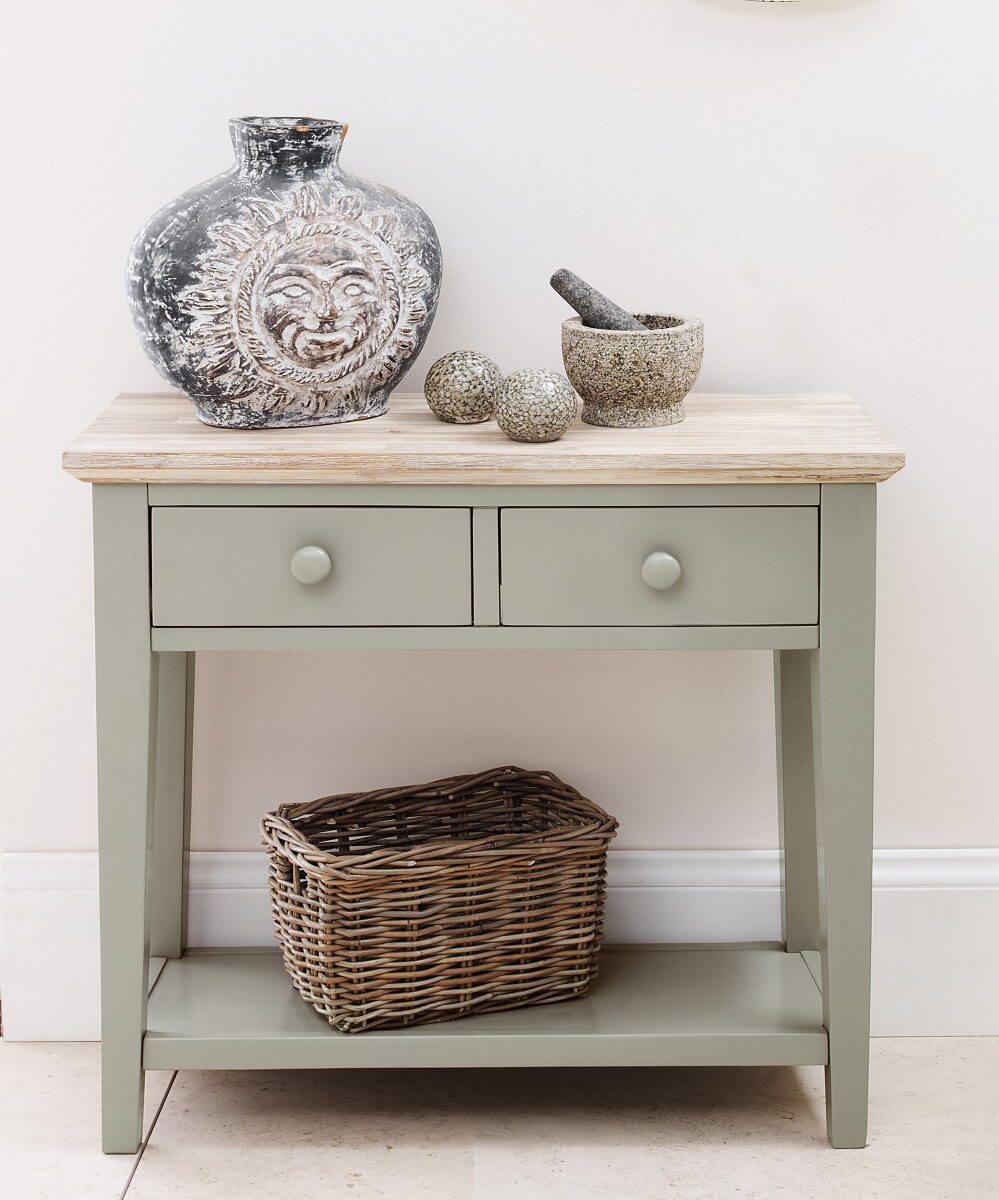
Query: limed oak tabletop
x=156 y=438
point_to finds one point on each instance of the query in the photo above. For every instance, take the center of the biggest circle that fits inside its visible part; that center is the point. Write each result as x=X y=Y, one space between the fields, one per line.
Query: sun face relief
x=307 y=303
x=318 y=303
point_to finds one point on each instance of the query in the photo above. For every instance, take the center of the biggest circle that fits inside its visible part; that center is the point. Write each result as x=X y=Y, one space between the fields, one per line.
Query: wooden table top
x=156 y=438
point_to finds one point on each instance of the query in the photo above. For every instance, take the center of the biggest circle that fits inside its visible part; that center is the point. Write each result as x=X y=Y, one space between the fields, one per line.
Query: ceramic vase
x=285 y=292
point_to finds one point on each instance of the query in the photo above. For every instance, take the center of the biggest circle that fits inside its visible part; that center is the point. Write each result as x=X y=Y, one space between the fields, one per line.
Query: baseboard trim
x=933 y=912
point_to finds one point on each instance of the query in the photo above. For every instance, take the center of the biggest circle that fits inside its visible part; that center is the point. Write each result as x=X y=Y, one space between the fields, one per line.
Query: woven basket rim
x=280 y=832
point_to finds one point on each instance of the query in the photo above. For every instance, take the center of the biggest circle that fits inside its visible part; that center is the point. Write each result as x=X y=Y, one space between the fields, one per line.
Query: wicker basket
x=470 y=894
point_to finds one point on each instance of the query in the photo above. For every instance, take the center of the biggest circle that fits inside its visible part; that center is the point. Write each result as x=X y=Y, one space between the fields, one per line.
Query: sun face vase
x=285 y=292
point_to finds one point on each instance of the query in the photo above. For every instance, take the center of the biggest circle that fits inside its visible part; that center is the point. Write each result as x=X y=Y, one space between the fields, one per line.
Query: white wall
x=816 y=181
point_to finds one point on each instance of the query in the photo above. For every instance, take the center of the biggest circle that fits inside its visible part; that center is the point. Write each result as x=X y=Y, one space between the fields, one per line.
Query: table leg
x=126 y=731
x=796 y=800
x=843 y=719
x=172 y=809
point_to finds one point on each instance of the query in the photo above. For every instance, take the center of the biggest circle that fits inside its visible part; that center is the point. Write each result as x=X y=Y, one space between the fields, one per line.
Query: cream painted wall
x=817 y=181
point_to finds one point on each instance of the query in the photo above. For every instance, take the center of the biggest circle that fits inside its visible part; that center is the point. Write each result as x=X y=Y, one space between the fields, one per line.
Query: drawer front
x=385 y=566
x=584 y=566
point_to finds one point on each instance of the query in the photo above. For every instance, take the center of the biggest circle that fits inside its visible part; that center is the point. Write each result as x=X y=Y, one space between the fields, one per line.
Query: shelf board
x=648 y=1007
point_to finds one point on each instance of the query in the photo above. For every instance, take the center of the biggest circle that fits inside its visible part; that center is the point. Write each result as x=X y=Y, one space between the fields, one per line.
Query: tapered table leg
x=126 y=724
x=796 y=800
x=172 y=793
x=843 y=719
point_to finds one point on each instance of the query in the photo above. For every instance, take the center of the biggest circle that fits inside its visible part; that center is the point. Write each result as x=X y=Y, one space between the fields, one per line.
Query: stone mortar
x=634 y=380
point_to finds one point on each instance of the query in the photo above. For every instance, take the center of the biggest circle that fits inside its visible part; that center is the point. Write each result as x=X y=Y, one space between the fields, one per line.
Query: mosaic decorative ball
x=463 y=387
x=536 y=405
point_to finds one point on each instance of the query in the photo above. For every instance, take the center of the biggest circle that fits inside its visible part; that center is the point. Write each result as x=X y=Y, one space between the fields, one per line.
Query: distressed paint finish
x=285 y=292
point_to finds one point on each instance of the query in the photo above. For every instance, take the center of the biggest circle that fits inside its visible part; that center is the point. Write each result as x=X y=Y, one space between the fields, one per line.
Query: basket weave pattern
x=469 y=894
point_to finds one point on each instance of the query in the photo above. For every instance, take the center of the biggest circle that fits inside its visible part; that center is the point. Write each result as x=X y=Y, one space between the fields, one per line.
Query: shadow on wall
x=677 y=746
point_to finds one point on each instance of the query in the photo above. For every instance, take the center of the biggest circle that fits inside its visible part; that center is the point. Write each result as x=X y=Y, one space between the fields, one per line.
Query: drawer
x=387 y=566
x=584 y=566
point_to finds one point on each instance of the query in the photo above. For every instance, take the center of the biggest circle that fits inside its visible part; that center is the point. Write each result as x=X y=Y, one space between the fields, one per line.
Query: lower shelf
x=648 y=1007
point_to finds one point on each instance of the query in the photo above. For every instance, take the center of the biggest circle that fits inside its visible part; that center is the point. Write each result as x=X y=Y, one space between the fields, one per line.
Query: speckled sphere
x=463 y=387
x=536 y=405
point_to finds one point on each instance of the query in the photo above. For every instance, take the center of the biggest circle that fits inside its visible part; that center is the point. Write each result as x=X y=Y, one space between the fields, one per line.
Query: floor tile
x=313 y=1135
x=567 y=1135
x=50 y=1137
x=759 y=1134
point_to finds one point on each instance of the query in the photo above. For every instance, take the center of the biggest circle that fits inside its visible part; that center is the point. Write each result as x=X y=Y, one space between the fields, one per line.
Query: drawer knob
x=661 y=570
x=311 y=564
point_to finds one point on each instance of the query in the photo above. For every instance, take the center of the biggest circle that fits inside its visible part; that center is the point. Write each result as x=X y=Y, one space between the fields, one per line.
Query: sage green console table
x=749 y=526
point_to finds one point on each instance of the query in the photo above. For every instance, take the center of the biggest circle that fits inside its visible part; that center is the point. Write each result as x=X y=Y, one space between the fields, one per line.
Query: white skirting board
x=936 y=920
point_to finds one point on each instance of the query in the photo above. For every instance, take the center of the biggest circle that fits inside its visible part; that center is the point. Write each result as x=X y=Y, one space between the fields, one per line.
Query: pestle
x=596 y=310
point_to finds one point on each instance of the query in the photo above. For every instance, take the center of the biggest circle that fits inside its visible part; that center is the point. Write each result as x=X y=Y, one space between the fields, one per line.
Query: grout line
x=145 y=1141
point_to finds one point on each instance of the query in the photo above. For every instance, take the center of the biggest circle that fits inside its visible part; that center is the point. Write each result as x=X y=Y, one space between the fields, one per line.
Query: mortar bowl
x=632 y=380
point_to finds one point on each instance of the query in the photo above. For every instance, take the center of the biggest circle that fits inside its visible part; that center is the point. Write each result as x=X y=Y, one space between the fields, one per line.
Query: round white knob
x=311 y=564
x=661 y=570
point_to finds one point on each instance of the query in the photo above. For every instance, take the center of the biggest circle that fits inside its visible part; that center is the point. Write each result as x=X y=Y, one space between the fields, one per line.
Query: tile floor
x=506 y=1134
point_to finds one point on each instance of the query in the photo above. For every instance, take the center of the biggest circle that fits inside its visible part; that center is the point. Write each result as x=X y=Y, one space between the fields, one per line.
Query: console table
x=749 y=526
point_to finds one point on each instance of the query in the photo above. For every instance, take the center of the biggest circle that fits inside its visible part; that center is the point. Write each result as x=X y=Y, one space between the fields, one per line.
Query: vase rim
x=316 y=126
x=287 y=145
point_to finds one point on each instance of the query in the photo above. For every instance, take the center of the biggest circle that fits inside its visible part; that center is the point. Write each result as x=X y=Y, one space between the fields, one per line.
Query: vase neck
x=286 y=145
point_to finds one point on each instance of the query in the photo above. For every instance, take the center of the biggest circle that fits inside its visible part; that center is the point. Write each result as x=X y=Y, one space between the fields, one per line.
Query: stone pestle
x=596 y=311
